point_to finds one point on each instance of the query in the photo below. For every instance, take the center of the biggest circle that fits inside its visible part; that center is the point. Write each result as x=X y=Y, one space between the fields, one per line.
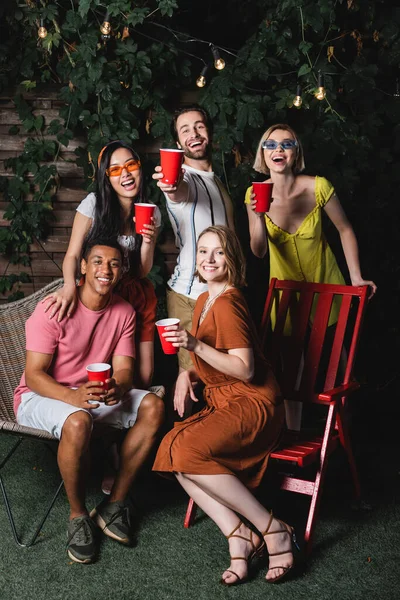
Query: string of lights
x=319 y=91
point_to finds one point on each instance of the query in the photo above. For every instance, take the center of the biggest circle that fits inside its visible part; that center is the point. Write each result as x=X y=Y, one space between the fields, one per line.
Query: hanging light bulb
x=320 y=93
x=201 y=80
x=42 y=31
x=105 y=27
x=219 y=62
x=297 y=102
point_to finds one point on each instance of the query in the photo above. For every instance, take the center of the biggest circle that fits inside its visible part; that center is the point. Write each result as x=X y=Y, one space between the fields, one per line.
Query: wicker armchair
x=12 y=361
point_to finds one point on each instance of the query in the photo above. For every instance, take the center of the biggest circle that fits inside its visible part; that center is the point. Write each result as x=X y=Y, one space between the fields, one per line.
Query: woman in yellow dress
x=291 y=231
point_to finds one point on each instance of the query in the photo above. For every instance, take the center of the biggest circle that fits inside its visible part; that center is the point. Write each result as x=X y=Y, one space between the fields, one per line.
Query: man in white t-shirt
x=197 y=201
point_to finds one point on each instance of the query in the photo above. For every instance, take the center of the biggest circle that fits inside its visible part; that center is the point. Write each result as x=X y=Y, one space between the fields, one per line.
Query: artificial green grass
x=356 y=554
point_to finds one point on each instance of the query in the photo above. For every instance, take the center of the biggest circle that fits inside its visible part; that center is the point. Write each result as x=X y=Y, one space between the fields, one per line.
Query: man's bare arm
x=39 y=381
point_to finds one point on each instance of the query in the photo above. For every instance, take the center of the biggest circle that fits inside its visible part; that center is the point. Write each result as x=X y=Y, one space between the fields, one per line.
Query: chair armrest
x=338 y=392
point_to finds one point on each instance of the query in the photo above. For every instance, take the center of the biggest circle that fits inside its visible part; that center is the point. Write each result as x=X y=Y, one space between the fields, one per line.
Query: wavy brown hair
x=234 y=256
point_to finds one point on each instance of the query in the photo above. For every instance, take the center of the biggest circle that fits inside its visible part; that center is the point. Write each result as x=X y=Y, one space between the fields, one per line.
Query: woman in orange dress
x=219 y=454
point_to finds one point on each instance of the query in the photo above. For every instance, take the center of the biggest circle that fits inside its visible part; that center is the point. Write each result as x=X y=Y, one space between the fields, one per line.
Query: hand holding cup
x=148 y=231
x=262 y=191
x=113 y=394
x=99 y=373
x=173 y=337
x=166 y=325
x=143 y=216
x=171 y=160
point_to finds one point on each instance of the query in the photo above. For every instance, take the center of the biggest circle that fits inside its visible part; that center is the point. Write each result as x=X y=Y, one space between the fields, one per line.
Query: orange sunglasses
x=130 y=166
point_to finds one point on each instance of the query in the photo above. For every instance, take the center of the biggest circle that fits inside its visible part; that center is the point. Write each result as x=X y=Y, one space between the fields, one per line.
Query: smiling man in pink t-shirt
x=54 y=394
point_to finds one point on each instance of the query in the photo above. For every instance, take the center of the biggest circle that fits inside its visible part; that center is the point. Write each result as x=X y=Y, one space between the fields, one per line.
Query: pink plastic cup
x=167 y=347
x=99 y=372
x=171 y=160
x=263 y=193
x=143 y=214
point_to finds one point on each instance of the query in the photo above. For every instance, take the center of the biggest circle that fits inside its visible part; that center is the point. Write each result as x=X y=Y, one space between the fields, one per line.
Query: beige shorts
x=181 y=307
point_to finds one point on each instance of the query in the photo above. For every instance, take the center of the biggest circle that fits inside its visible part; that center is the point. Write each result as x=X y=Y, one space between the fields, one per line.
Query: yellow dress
x=304 y=255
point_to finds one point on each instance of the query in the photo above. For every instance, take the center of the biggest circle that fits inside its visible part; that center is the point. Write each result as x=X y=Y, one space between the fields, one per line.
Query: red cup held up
x=167 y=347
x=263 y=195
x=171 y=160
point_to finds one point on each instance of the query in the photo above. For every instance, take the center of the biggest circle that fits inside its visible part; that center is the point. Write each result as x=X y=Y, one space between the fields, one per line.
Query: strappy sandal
x=290 y=531
x=257 y=551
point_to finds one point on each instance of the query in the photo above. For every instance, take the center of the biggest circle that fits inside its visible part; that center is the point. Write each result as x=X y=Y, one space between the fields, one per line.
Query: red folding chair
x=314 y=364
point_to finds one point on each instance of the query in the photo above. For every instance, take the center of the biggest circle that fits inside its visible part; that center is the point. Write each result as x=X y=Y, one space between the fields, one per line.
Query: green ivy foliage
x=127 y=86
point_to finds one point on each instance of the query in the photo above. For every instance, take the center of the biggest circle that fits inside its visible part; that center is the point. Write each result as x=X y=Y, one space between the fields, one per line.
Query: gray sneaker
x=81 y=543
x=113 y=518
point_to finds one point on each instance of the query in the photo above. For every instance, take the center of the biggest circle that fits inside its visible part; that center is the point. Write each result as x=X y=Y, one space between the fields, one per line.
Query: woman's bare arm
x=64 y=300
x=335 y=212
x=236 y=362
x=257 y=230
x=147 y=249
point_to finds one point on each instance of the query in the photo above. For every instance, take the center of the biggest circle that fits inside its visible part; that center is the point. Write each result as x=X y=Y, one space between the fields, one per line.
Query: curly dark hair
x=91 y=241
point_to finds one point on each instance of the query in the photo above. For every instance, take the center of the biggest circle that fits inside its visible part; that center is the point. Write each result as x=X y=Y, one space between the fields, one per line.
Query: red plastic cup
x=263 y=193
x=143 y=214
x=167 y=347
x=171 y=160
x=99 y=372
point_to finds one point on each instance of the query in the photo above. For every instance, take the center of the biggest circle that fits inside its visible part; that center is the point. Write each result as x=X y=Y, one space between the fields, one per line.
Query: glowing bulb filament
x=321 y=93
x=201 y=80
x=219 y=62
x=105 y=28
x=42 y=31
x=297 y=102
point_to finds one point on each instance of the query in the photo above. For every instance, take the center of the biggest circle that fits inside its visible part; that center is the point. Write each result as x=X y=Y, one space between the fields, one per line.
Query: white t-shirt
x=127 y=242
x=205 y=205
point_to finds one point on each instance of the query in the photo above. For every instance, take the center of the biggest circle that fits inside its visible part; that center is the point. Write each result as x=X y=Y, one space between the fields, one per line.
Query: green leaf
x=28 y=124
x=304 y=47
x=137 y=16
x=28 y=85
x=280 y=104
x=304 y=69
x=242 y=116
x=167 y=7
x=38 y=122
x=84 y=7
x=63 y=139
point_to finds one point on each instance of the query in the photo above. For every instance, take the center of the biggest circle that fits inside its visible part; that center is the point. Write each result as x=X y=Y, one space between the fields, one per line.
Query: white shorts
x=49 y=414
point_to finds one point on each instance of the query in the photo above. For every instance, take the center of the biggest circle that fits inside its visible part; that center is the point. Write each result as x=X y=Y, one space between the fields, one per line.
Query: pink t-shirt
x=87 y=337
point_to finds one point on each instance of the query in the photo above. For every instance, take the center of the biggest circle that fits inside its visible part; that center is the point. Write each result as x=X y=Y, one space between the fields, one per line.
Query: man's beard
x=205 y=154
